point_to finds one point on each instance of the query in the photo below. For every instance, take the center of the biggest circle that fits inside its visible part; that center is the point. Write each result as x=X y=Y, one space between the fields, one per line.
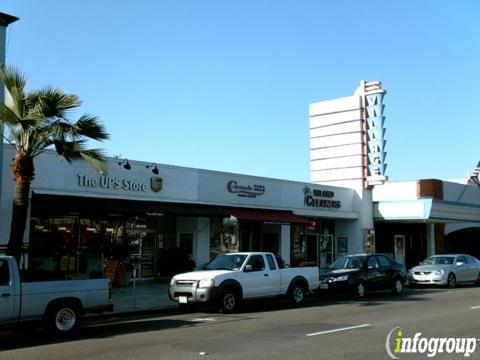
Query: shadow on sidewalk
x=24 y=336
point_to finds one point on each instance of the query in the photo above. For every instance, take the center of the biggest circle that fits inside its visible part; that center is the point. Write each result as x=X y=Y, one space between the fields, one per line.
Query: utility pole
x=5 y=20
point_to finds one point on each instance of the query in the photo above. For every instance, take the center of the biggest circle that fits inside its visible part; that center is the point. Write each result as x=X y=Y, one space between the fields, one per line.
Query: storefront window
x=224 y=236
x=53 y=247
x=298 y=249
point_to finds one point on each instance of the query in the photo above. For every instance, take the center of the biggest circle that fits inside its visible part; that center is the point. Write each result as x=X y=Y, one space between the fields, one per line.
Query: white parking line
x=338 y=330
x=203 y=319
x=475 y=307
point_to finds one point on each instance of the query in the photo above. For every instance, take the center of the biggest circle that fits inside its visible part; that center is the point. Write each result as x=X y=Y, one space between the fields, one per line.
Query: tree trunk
x=23 y=174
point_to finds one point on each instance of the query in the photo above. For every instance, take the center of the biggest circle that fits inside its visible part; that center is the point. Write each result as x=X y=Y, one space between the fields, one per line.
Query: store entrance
x=326 y=251
x=141 y=245
x=319 y=250
x=311 y=247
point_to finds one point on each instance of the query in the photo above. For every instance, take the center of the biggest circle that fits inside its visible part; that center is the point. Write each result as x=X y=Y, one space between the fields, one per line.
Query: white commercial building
x=158 y=218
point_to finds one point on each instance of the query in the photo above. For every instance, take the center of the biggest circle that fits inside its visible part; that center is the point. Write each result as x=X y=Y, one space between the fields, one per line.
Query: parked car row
x=448 y=269
x=357 y=274
x=233 y=277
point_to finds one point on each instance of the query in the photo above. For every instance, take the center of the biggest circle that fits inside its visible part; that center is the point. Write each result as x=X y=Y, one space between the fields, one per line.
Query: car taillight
x=109 y=290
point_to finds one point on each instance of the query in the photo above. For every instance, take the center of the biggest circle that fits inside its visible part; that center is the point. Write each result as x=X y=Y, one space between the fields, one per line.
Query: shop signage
x=375 y=134
x=320 y=198
x=156 y=183
x=251 y=191
x=113 y=183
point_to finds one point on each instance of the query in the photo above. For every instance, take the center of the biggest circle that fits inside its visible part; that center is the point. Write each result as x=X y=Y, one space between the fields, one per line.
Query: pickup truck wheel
x=229 y=301
x=63 y=318
x=297 y=294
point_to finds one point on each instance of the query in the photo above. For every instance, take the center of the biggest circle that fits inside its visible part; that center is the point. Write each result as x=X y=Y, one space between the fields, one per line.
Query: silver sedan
x=447 y=269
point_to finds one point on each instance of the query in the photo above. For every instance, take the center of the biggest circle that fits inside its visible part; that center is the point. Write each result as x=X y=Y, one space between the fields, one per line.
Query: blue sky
x=225 y=85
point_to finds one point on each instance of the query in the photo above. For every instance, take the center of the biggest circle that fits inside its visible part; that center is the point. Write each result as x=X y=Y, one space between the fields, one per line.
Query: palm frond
x=70 y=150
x=8 y=117
x=96 y=158
x=51 y=102
x=90 y=127
x=75 y=150
x=38 y=120
x=15 y=83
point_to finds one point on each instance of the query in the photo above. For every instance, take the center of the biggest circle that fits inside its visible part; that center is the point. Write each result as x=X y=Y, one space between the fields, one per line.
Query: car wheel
x=360 y=290
x=478 y=279
x=229 y=301
x=296 y=295
x=397 y=287
x=63 y=319
x=451 y=281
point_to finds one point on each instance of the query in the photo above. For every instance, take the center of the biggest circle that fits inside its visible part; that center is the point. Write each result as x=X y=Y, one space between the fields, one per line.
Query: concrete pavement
x=329 y=328
x=146 y=296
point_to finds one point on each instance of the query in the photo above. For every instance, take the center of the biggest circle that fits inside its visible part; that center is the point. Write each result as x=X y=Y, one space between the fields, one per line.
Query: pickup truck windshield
x=226 y=262
x=348 y=262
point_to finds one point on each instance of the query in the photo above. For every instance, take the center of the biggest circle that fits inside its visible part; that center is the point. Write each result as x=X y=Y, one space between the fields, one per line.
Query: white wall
x=180 y=185
x=347 y=228
x=338 y=158
x=336 y=140
x=200 y=228
x=395 y=191
x=285 y=243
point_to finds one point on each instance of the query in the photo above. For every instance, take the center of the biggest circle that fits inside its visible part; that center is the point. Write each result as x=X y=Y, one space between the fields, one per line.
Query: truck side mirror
x=248 y=268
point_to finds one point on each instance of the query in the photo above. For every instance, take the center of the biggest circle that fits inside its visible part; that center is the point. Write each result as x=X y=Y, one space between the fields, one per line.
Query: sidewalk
x=148 y=296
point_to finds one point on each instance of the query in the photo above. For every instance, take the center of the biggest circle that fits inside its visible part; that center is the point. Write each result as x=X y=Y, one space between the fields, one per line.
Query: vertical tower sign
x=375 y=132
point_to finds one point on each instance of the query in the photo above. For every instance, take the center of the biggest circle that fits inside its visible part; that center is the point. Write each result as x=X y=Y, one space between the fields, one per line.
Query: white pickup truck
x=60 y=304
x=230 y=278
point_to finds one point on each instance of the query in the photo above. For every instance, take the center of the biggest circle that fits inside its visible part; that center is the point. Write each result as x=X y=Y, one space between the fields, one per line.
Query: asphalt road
x=326 y=328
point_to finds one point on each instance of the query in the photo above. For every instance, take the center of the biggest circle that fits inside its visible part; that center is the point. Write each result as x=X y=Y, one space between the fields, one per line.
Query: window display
x=224 y=236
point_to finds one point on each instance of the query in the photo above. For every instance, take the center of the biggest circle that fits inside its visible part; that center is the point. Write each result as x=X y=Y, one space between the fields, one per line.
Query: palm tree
x=36 y=121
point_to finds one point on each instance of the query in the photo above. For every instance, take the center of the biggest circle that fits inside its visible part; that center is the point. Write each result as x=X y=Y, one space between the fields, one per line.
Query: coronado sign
x=250 y=191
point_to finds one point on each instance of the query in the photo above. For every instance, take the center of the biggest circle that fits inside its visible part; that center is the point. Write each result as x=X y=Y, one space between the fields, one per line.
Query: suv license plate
x=324 y=286
x=182 y=299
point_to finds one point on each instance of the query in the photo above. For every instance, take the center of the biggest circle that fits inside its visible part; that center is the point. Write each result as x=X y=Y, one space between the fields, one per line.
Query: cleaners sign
x=320 y=198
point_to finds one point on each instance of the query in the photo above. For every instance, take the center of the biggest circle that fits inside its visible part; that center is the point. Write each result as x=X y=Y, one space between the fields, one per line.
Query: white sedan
x=447 y=269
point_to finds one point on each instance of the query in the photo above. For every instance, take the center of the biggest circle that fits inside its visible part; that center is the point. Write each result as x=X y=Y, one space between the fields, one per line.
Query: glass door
x=141 y=248
x=399 y=248
x=147 y=253
x=326 y=251
x=311 y=247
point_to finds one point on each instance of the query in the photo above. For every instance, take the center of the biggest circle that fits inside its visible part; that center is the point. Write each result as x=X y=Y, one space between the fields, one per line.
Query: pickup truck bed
x=60 y=304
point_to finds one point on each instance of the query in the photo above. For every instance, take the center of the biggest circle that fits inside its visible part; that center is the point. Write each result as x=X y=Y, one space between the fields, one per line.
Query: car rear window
x=4 y=273
x=384 y=261
x=271 y=262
